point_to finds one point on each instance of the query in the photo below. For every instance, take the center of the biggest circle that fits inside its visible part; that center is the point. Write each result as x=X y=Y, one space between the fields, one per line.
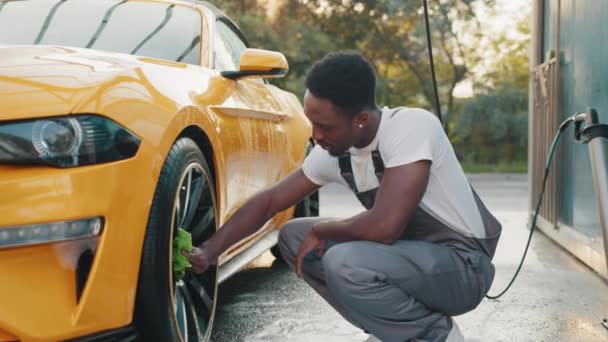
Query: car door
x=253 y=118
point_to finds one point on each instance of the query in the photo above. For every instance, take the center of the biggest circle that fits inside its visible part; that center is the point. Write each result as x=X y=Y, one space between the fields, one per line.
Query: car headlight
x=66 y=141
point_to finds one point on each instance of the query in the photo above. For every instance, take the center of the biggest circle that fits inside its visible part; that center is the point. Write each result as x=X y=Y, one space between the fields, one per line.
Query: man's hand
x=310 y=242
x=200 y=259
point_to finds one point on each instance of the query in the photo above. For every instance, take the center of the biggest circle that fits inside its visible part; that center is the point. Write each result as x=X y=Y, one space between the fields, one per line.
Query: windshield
x=151 y=29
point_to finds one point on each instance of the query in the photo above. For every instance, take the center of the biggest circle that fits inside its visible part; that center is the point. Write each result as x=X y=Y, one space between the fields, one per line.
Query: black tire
x=166 y=309
x=308 y=207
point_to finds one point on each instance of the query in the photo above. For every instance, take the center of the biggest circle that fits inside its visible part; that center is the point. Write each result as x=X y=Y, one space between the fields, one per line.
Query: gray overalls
x=405 y=291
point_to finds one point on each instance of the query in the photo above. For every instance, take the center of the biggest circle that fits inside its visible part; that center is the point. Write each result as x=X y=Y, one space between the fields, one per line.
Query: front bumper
x=40 y=295
x=125 y=334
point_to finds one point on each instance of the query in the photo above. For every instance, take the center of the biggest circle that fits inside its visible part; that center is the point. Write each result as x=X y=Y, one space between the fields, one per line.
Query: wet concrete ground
x=555 y=298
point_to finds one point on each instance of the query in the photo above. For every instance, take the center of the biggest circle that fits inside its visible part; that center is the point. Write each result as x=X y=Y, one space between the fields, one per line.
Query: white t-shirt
x=410 y=135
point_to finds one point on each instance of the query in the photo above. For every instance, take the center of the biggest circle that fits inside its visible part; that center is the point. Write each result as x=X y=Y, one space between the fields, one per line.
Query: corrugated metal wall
x=583 y=70
x=545 y=82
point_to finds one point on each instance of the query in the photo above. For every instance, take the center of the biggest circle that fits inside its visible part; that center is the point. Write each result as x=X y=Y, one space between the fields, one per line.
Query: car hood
x=42 y=81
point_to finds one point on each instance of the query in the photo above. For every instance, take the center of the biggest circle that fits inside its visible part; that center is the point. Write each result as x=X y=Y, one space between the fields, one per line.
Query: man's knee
x=293 y=232
x=344 y=267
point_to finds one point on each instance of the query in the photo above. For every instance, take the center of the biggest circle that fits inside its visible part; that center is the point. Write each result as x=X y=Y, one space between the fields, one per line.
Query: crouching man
x=421 y=252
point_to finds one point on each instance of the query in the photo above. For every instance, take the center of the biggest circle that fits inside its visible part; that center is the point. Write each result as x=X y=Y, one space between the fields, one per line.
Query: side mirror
x=259 y=63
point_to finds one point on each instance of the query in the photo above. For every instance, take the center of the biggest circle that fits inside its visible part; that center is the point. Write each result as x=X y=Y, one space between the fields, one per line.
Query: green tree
x=390 y=33
x=511 y=65
x=493 y=125
x=301 y=43
x=487 y=128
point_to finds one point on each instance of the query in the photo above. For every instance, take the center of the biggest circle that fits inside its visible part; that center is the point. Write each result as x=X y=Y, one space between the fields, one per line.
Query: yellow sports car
x=120 y=122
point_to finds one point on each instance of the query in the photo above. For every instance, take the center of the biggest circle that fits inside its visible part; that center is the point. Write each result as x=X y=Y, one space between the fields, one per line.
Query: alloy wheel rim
x=194 y=296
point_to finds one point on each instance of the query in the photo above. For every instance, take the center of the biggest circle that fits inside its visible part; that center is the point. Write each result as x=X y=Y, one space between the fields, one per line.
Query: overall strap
x=395 y=111
x=346 y=170
x=378 y=165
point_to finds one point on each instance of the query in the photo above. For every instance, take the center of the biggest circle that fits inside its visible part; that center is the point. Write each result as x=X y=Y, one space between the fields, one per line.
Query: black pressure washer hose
x=562 y=128
x=428 y=41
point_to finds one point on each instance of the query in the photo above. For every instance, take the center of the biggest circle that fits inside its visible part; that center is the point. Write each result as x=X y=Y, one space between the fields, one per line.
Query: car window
x=228 y=47
x=151 y=29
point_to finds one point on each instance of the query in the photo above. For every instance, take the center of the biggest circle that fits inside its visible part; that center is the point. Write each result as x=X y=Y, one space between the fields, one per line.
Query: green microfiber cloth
x=182 y=241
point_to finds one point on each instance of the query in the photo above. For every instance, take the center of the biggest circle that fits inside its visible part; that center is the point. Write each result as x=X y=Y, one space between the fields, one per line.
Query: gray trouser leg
x=400 y=292
x=290 y=238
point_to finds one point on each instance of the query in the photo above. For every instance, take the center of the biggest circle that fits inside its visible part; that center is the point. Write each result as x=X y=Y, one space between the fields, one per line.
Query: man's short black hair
x=346 y=79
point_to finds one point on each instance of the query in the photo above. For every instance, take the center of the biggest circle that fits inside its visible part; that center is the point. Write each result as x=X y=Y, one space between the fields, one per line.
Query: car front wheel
x=167 y=308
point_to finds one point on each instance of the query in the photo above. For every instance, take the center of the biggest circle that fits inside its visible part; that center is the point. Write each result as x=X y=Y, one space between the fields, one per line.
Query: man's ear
x=363 y=118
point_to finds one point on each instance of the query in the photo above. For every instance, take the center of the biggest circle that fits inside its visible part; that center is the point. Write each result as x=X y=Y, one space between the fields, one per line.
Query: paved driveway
x=555 y=298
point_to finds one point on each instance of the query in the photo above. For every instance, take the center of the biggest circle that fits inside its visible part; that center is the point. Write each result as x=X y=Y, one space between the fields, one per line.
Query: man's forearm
x=363 y=226
x=245 y=221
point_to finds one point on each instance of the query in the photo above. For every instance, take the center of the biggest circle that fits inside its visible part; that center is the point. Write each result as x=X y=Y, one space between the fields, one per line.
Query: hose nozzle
x=580 y=117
